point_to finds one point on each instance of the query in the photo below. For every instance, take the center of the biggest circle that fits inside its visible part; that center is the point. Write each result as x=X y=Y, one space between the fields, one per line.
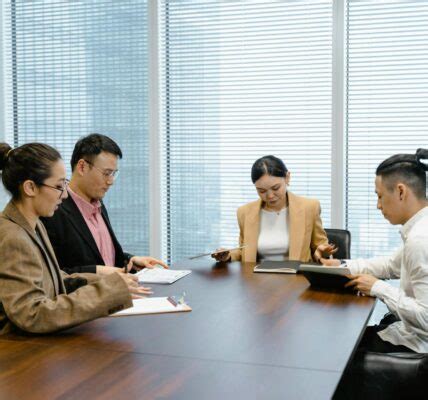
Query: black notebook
x=326 y=277
x=279 y=267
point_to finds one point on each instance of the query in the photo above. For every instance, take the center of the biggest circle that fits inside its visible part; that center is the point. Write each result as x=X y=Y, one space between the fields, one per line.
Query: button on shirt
x=91 y=213
x=410 y=301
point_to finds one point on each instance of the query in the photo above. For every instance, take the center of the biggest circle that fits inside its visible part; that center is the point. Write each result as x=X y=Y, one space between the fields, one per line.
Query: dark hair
x=407 y=168
x=31 y=161
x=90 y=146
x=268 y=165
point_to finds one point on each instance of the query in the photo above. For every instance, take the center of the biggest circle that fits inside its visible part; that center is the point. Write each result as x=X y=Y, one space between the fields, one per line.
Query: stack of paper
x=160 y=275
x=152 y=305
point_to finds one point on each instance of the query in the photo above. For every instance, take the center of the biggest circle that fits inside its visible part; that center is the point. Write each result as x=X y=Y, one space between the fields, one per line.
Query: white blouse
x=273 y=243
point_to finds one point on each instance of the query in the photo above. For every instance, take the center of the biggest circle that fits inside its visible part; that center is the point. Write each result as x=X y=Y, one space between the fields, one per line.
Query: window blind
x=240 y=80
x=387 y=107
x=78 y=67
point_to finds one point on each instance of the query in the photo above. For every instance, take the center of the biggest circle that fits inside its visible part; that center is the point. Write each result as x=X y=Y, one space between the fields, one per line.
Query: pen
x=126 y=268
x=172 y=301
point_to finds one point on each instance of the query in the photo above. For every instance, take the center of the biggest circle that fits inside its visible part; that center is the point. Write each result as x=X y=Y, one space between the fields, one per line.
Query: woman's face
x=272 y=190
x=52 y=192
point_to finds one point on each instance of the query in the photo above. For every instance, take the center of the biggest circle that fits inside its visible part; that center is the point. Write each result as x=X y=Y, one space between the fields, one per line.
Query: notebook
x=326 y=277
x=153 y=305
x=161 y=275
x=281 y=267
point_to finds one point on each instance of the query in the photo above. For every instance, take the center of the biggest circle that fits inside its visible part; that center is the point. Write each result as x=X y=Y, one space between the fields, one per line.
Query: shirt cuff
x=352 y=267
x=379 y=289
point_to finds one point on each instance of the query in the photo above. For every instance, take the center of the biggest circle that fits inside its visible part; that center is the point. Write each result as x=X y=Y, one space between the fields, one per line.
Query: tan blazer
x=33 y=297
x=305 y=231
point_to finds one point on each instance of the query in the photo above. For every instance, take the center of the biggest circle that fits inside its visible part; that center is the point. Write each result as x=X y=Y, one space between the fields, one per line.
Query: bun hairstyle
x=4 y=154
x=422 y=154
x=409 y=168
x=268 y=165
x=31 y=161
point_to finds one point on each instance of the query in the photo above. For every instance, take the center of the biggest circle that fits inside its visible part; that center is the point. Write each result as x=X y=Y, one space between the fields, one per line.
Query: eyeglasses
x=61 y=189
x=107 y=173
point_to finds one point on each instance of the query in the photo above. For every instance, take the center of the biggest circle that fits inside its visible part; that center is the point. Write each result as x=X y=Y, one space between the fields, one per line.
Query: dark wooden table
x=254 y=336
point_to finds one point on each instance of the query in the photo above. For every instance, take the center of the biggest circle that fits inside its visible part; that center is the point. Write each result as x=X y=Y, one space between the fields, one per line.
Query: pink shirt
x=91 y=213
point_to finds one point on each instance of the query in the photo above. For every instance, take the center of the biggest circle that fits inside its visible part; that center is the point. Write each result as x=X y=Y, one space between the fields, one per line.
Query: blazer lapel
x=297 y=227
x=52 y=261
x=251 y=232
x=109 y=227
x=77 y=220
x=12 y=212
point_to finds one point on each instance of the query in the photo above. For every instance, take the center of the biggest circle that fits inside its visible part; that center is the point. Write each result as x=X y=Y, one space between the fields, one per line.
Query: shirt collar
x=408 y=226
x=86 y=208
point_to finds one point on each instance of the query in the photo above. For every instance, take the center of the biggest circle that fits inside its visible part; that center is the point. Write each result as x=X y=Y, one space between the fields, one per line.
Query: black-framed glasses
x=60 y=189
x=106 y=173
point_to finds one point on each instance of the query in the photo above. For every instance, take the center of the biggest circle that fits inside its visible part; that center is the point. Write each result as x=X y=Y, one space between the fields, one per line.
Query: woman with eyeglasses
x=280 y=225
x=35 y=295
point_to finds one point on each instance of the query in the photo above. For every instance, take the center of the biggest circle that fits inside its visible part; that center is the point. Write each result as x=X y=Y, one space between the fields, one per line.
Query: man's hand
x=324 y=250
x=363 y=283
x=140 y=262
x=330 y=262
x=106 y=270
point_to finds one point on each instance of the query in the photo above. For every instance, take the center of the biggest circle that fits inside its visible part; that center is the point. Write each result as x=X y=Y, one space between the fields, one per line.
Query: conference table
x=249 y=335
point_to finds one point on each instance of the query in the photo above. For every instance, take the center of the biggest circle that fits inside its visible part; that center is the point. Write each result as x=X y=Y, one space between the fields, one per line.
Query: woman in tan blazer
x=35 y=295
x=279 y=221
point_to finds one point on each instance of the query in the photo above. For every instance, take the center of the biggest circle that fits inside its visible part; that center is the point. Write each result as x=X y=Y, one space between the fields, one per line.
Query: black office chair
x=385 y=376
x=342 y=239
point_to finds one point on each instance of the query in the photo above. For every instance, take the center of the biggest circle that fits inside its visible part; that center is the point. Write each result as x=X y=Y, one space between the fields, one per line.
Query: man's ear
x=402 y=191
x=80 y=167
x=29 y=188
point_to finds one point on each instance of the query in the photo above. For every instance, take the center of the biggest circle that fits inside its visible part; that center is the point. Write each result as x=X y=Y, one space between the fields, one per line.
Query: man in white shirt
x=401 y=190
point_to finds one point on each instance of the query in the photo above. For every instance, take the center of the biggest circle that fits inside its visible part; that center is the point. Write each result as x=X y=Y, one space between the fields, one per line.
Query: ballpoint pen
x=126 y=267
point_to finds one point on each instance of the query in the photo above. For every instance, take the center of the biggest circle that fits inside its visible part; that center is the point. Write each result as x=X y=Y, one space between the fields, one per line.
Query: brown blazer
x=305 y=231
x=33 y=297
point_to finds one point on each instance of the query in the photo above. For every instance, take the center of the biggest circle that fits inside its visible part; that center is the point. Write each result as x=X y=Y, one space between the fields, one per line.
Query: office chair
x=342 y=239
x=385 y=376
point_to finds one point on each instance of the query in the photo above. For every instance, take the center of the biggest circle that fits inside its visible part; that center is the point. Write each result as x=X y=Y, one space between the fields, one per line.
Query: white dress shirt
x=273 y=243
x=410 y=301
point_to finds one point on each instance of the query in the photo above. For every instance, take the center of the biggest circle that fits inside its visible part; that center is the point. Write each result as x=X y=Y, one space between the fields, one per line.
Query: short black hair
x=31 y=161
x=91 y=145
x=268 y=165
x=407 y=168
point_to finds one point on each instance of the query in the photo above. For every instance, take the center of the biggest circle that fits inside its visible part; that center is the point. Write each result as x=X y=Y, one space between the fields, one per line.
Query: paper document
x=215 y=252
x=160 y=275
x=152 y=305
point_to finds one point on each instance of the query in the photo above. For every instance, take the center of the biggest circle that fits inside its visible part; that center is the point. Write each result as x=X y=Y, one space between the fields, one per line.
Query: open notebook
x=153 y=305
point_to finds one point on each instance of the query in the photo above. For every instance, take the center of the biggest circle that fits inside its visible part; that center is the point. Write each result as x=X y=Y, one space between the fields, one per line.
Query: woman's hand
x=324 y=251
x=221 y=256
x=136 y=291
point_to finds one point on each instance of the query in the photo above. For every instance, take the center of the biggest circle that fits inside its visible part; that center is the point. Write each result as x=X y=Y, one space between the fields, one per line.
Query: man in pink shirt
x=80 y=230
